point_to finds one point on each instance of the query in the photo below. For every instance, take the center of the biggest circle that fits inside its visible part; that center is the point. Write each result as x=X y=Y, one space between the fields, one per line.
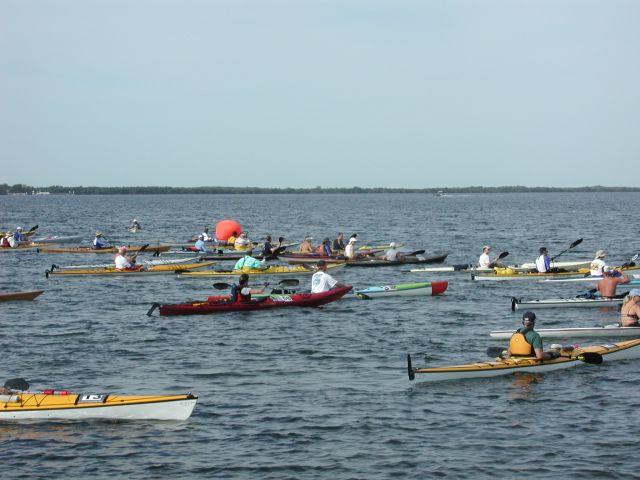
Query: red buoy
x=225 y=228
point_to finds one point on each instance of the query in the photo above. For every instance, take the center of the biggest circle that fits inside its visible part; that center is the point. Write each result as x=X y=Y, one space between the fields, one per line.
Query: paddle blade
x=496 y=352
x=576 y=243
x=410 y=370
x=363 y=296
x=590 y=357
x=413 y=254
x=289 y=282
x=221 y=286
x=502 y=255
x=17 y=384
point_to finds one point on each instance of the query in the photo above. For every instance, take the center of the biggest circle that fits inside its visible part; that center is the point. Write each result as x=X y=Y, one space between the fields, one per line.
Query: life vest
x=237 y=296
x=519 y=347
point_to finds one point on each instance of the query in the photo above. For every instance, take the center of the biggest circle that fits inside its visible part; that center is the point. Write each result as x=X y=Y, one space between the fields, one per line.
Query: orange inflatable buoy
x=225 y=228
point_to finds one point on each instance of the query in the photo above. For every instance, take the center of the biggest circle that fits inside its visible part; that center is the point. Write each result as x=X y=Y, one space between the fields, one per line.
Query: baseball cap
x=529 y=316
x=393 y=245
x=600 y=253
x=634 y=292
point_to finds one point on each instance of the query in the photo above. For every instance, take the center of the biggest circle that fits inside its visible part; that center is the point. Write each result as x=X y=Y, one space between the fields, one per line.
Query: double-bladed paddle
x=141 y=249
x=287 y=282
x=586 y=357
x=573 y=245
x=17 y=384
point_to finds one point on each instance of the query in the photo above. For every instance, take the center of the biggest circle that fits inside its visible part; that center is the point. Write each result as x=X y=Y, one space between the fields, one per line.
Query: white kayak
x=520 y=268
x=518 y=303
x=607 y=331
x=402 y=289
x=148 y=263
x=502 y=275
x=59 y=239
x=564 y=265
x=635 y=280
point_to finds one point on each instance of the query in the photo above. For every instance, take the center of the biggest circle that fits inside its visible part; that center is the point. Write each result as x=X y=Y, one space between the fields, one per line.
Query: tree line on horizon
x=22 y=189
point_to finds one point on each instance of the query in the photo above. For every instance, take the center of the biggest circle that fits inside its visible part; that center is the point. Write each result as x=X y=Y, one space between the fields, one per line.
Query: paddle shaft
x=574 y=244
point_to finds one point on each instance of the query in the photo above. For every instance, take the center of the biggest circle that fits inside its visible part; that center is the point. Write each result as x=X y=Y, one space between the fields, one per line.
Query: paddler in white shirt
x=542 y=262
x=321 y=281
x=485 y=261
x=597 y=265
x=122 y=261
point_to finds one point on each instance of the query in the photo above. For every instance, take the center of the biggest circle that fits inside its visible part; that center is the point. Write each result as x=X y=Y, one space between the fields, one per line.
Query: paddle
x=586 y=357
x=274 y=254
x=631 y=262
x=135 y=255
x=413 y=254
x=410 y=370
x=574 y=244
x=31 y=231
x=17 y=384
x=287 y=282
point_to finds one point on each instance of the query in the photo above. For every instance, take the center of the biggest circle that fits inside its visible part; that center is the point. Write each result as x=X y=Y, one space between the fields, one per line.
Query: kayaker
x=135 y=225
x=242 y=291
x=267 y=248
x=353 y=237
x=99 y=243
x=607 y=286
x=324 y=248
x=122 y=261
x=485 y=261
x=597 y=265
x=630 y=312
x=321 y=281
x=18 y=236
x=350 y=250
x=232 y=239
x=338 y=242
x=305 y=246
x=200 y=246
x=205 y=235
x=248 y=262
x=542 y=262
x=242 y=242
x=392 y=254
x=526 y=342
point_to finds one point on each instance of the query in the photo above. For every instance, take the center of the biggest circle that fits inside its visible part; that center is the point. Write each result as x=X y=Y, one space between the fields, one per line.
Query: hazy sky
x=342 y=93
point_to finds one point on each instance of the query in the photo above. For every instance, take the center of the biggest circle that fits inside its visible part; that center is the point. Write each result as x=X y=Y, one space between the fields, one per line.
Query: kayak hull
x=607 y=331
x=43 y=406
x=501 y=277
x=409 y=260
x=59 y=239
x=112 y=250
x=403 y=289
x=266 y=303
x=271 y=270
x=142 y=270
x=13 y=296
x=565 y=303
x=629 y=349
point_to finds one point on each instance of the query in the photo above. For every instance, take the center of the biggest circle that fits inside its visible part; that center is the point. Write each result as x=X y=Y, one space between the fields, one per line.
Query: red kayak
x=214 y=305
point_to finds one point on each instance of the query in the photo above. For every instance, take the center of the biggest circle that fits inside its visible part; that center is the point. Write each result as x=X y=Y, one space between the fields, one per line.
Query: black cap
x=528 y=316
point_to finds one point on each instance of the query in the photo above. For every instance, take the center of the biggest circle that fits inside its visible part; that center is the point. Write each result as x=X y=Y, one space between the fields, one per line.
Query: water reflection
x=522 y=383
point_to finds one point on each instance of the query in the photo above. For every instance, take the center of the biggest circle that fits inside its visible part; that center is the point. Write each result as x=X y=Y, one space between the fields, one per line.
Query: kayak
x=296 y=258
x=159 y=261
x=502 y=274
x=517 y=303
x=270 y=270
x=12 y=296
x=635 y=280
x=402 y=289
x=628 y=349
x=563 y=265
x=23 y=246
x=608 y=331
x=58 y=239
x=525 y=267
x=130 y=248
x=305 y=299
x=137 y=270
x=409 y=259
x=62 y=405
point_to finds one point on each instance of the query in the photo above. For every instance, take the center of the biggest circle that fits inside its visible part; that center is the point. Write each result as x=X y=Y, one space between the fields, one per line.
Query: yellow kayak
x=270 y=270
x=130 y=248
x=138 y=270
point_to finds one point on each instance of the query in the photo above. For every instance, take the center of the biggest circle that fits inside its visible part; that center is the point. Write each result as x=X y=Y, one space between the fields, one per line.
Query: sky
x=329 y=93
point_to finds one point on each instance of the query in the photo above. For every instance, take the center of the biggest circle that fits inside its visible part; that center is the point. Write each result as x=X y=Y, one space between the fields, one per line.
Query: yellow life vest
x=519 y=347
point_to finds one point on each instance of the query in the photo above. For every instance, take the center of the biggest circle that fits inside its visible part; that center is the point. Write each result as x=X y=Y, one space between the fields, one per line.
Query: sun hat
x=600 y=253
x=98 y=234
x=607 y=269
x=634 y=292
x=18 y=228
x=201 y=237
x=353 y=240
x=393 y=245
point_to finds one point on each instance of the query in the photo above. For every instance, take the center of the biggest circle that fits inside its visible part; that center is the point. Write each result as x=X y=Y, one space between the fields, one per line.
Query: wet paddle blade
x=17 y=384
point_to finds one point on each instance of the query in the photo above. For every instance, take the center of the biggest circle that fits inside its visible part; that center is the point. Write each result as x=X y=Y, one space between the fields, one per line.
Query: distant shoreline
x=21 y=189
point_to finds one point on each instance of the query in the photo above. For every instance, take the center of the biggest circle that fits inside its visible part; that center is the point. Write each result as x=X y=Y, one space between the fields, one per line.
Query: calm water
x=318 y=393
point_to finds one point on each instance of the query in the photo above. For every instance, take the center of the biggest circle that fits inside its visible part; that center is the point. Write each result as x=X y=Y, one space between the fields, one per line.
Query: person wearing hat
x=630 y=312
x=607 y=286
x=18 y=236
x=305 y=246
x=242 y=242
x=200 y=246
x=526 y=342
x=99 y=243
x=135 y=226
x=543 y=264
x=485 y=261
x=392 y=254
x=321 y=281
x=242 y=291
x=597 y=265
x=350 y=250
x=122 y=261
x=338 y=242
